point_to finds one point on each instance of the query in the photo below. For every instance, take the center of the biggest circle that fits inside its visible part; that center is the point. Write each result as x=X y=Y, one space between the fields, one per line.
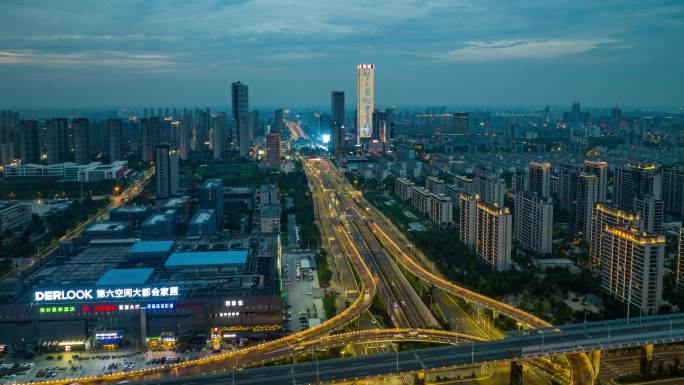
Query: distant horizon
x=101 y=54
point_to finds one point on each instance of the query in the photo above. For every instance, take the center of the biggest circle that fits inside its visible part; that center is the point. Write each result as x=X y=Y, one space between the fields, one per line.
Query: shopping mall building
x=105 y=294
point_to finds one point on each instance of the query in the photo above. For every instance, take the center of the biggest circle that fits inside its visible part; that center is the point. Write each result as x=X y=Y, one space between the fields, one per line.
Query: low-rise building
x=14 y=216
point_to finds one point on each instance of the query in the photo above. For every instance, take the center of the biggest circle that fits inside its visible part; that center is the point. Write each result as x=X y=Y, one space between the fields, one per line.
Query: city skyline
x=446 y=53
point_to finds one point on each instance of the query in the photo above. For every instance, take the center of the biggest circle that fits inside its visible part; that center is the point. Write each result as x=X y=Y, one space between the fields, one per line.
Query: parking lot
x=304 y=294
x=53 y=366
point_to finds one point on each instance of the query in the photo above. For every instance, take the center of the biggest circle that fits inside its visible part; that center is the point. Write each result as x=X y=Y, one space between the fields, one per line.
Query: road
x=408 y=256
x=533 y=342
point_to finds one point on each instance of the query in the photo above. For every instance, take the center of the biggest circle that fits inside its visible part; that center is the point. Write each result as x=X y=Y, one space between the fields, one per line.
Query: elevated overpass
x=585 y=337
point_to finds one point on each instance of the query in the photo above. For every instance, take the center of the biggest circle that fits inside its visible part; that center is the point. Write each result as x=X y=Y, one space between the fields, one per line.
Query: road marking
x=422 y=365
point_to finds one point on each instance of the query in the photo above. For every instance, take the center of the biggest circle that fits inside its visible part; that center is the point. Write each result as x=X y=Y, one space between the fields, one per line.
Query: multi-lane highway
x=533 y=342
x=405 y=254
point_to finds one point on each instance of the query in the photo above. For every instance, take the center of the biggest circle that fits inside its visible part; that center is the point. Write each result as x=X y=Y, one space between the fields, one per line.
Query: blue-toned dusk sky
x=293 y=53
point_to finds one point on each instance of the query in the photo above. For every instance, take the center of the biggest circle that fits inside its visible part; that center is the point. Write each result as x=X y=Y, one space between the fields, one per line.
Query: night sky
x=56 y=54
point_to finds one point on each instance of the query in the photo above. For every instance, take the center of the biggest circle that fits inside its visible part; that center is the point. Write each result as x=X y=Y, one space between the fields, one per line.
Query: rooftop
x=150 y=247
x=106 y=226
x=118 y=277
x=208 y=258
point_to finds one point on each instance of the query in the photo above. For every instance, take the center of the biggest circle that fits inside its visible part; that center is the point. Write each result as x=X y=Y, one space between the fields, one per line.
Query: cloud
x=86 y=58
x=521 y=49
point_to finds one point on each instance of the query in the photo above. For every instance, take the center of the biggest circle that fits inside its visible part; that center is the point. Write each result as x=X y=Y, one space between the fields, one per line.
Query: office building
x=337 y=107
x=241 y=119
x=468 y=218
x=269 y=195
x=673 y=190
x=493 y=235
x=203 y=224
x=273 y=149
x=603 y=216
x=29 y=144
x=211 y=197
x=185 y=129
x=166 y=170
x=56 y=140
x=404 y=189
x=533 y=222
x=115 y=132
x=490 y=186
x=539 y=178
x=220 y=134
x=337 y=122
x=81 y=128
x=651 y=212
x=69 y=171
x=441 y=210
x=636 y=179
x=149 y=129
x=586 y=193
x=600 y=169
x=365 y=101
x=631 y=268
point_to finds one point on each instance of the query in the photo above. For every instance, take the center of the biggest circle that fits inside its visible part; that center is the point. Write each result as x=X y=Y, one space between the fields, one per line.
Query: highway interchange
x=373 y=247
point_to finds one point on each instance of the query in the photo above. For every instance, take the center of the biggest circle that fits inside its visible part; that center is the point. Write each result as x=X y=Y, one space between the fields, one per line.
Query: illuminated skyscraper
x=365 y=101
x=493 y=235
x=273 y=149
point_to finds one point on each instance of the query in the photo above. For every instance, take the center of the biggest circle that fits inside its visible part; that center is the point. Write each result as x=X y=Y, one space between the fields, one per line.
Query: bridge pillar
x=419 y=378
x=516 y=373
x=596 y=362
x=646 y=363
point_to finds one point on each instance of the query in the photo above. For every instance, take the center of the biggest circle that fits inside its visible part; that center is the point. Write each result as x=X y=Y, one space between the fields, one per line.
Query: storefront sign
x=118 y=293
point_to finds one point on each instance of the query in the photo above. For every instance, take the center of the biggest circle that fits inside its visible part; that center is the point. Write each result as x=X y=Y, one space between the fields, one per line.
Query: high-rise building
x=636 y=179
x=211 y=197
x=273 y=149
x=533 y=222
x=149 y=128
x=337 y=108
x=600 y=169
x=441 y=210
x=521 y=181
x=566 y=187
x=81 y=127
x=115 y=132
x=586 y=193
x=365 y=101
x=56 y=140
x=490 y=186
x=493 y=235
x=220 y=135
x=29 y=144
x=540 y=182
x=673 y=190
x=202 y=130
x=279 y=119
x=241 y=119
x=679 y=262
x=468 y=218
x=603 y=216
x=166 y=170
x=9 y=140
x=651 y=212
x=632 y=267
x=337 y=121
x=615 y=119
x=185 y=129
